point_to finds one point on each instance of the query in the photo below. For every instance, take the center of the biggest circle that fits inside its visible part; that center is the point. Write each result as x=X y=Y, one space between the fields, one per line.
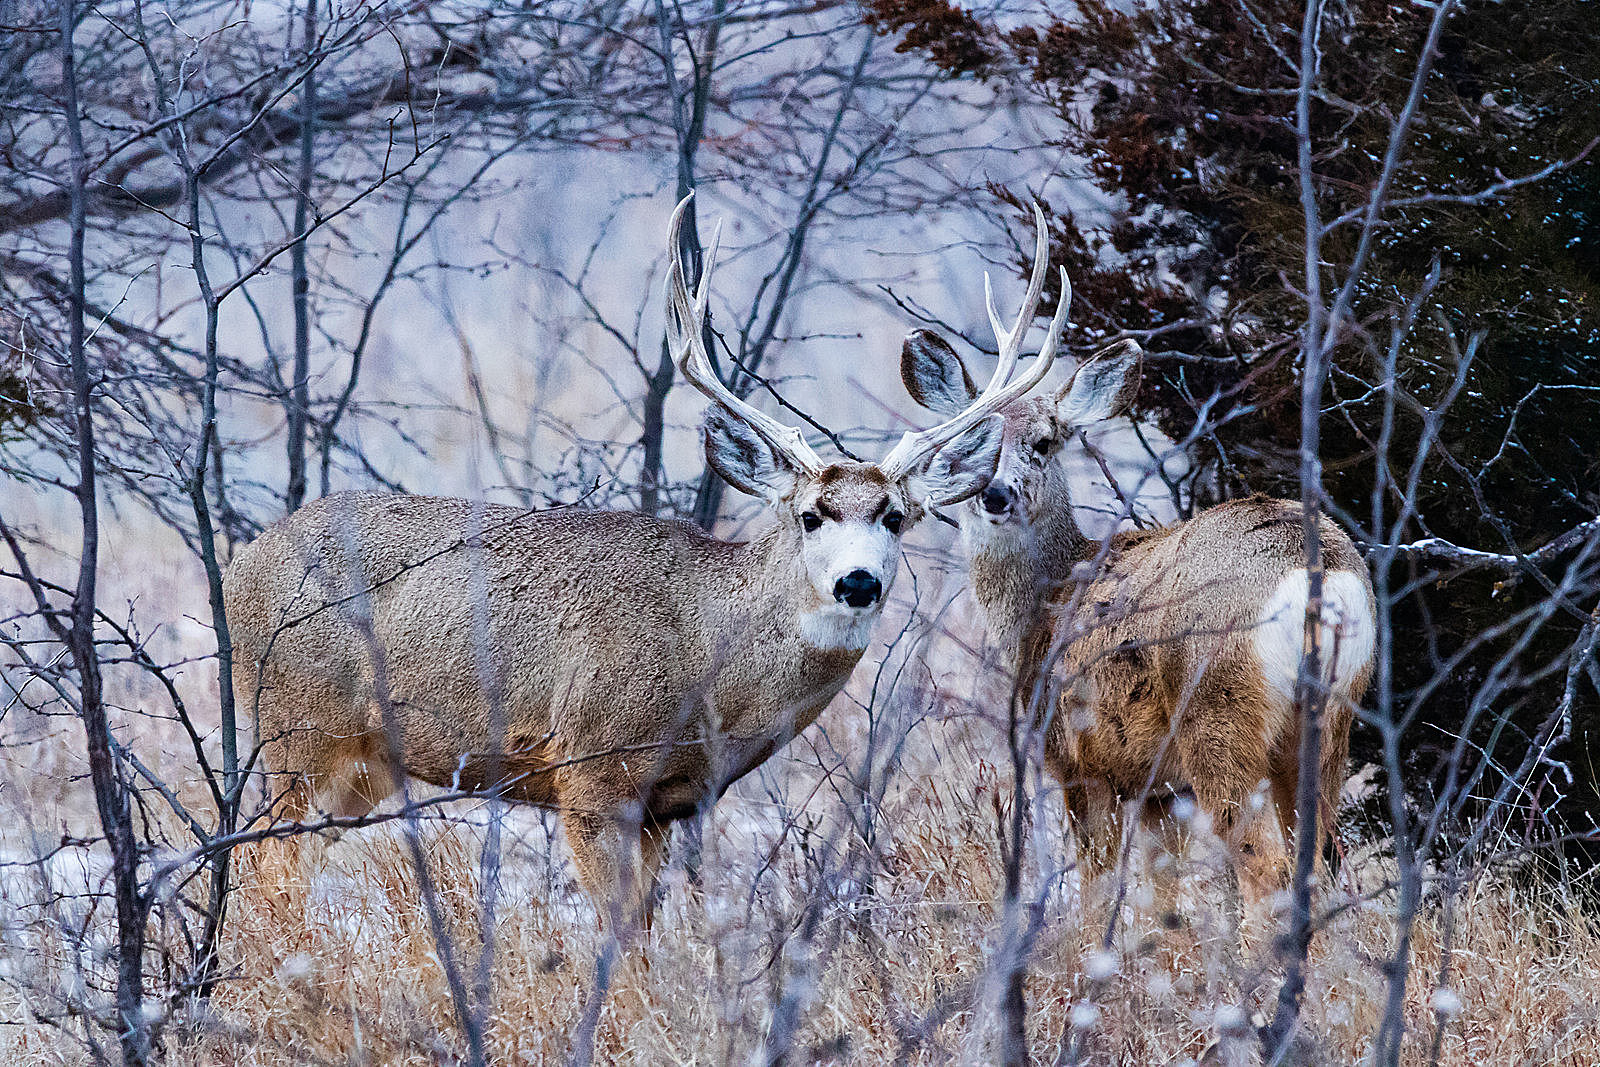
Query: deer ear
x=1102 y=387
x=934 y=375
x=961 y=468
x=744 y=458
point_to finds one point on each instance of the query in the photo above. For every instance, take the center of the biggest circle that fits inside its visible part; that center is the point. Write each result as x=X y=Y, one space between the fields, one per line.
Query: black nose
x=858 y=589
x=996 y=501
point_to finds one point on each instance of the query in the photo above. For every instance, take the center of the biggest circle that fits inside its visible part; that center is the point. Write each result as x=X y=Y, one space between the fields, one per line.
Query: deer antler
x=685 y=333
x=918 y=444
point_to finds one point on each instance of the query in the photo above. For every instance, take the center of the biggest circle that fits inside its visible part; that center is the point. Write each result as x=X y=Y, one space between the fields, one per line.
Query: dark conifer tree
x=1186 y=113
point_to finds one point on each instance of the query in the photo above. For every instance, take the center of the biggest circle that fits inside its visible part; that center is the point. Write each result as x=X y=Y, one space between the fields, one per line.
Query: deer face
x=849 y=521
x=1028 y=481
x=1027 y=477
x=844 y=522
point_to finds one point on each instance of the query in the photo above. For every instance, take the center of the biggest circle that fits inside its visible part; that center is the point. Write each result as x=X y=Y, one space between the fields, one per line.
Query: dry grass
x=360 y=981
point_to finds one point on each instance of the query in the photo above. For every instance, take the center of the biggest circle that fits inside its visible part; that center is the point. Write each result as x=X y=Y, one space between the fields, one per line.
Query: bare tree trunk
x=690 y=124
x=228 y=797
x=299 y=388
x=232 y=781
x=110 y=794
x=1323 y=323
x=1016 y=932
x=1310 y=697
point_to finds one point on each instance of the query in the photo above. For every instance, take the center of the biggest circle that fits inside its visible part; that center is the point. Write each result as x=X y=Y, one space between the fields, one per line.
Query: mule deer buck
x=1173 y=652
x=621 y=669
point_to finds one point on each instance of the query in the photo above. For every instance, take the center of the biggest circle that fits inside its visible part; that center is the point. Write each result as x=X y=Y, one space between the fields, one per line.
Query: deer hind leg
x=1331 y=773
x=1335 y=768
x=1164 y=857
x=276 y=867
x=1226 y=758
x=343 y=778
x=273 y=872
x=355 y=777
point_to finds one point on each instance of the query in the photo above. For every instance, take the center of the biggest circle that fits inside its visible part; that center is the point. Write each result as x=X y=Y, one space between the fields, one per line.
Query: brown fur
x=1154 y=685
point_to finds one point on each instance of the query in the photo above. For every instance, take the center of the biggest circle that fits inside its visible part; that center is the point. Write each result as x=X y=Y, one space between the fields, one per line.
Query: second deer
x=1167 y=657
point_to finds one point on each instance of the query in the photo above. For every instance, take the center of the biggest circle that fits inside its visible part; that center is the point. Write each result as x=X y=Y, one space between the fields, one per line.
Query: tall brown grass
x=895 y=973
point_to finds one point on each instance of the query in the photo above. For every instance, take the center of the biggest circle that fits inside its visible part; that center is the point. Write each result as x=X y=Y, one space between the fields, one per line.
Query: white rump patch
x=835 y=628
x=1348 y=636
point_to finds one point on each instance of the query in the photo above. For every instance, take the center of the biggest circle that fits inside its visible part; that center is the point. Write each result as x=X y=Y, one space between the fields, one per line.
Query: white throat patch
x=831 y=628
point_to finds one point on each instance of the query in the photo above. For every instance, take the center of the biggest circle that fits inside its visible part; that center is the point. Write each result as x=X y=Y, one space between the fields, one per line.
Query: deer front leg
x=618 y=857
x=652 y=852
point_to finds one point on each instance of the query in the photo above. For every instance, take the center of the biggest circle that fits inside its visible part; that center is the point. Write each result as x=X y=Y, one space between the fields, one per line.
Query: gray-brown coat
x=610 y=665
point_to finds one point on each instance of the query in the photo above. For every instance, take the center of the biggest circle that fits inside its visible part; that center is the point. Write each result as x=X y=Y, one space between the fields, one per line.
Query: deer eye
x=893 y=521
x=1042 y=446
x=811 y=521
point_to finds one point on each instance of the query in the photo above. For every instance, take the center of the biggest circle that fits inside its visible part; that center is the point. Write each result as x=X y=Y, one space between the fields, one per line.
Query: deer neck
x=1016 y=570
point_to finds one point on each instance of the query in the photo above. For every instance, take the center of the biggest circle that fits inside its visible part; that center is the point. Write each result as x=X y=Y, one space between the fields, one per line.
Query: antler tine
x=1010 y=341
x=685 y=321
x=1000 y=391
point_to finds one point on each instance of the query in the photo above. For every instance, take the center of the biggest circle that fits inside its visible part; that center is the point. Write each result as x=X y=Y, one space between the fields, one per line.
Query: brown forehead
x=1029 y=417
x=845 y=473
x=849 y=490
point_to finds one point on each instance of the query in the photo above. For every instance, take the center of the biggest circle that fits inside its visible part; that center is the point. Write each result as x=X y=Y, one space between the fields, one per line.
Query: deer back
x=1186 y=619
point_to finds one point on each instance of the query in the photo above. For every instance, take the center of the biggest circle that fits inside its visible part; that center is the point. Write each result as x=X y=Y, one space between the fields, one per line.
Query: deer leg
x=355 y=778
x=342 y=778
x=316 y=757
x=1225 y=759
x=1286 y=786
x=1165 y=862
x=1335 y=768
x=1264 y=862
x=652 y=851
x=277 y=869
x=617 y=856
x=1331 y=773
x=595 y=842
